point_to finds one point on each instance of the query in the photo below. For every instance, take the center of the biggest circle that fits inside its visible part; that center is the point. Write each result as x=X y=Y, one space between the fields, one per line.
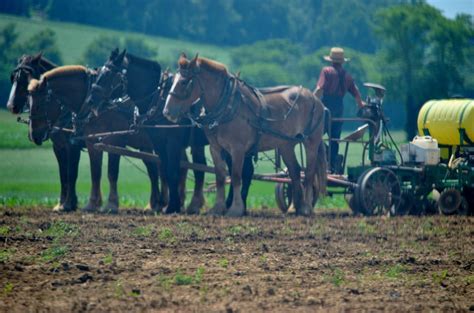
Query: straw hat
x=336 y=56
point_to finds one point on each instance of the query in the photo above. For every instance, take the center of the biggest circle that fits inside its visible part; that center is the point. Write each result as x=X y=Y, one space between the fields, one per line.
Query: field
x=136 y=262
x=29 y=174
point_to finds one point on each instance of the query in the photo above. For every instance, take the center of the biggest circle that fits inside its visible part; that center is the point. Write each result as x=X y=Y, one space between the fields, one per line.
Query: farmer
x=332 y=85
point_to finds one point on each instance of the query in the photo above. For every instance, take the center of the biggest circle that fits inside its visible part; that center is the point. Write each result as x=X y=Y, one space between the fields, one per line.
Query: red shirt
x=332 y=84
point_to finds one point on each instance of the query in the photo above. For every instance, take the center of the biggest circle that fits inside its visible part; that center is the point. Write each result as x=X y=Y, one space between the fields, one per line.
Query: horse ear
x=120 y=57
x=193 y=62
x=183 y=60
x=37 y=57
x=114 y=54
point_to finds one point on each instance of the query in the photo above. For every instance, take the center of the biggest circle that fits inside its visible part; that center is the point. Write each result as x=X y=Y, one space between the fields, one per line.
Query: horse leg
x=61 y=156
x=163 y=199
x=237 y=208
x=219 y=207
x=112 y=205
x=247 y=175
x=152 y=169
x=310 y=172
x=197 y=201
x=294 y=170
x=95 y=197
x=230 y=194
x=74 y=155
x=171 y=161
x=183 y=176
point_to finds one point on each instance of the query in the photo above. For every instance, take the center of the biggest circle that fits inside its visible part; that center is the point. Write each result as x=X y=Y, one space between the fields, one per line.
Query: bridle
x=42 y=107
x=119 y=81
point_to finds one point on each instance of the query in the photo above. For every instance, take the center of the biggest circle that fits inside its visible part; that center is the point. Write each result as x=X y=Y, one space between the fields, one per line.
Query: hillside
x=74 y=38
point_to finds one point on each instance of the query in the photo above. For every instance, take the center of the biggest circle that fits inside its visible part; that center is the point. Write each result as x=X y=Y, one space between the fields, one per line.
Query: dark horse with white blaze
x=122 y=71
x=68 y=87
x=241 y=119
x=67 y=154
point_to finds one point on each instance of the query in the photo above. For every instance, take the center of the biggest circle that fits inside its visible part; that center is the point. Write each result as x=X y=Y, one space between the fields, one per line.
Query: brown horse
x=68 y=86
x=67 y=154
x=240 y=119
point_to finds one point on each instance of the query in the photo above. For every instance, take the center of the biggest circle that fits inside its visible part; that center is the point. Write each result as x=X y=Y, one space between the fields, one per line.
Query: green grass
x=73 y=39
x=29 y=174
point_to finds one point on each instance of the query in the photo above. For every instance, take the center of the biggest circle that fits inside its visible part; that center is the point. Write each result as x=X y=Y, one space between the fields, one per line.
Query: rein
x=226 y=108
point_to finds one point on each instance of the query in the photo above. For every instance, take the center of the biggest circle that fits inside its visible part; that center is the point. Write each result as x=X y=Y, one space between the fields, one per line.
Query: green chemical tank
x=451 y=122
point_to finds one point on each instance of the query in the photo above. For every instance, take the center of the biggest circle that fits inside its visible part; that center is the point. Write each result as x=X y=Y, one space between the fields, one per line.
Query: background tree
x=11 y=49
x=423 y=55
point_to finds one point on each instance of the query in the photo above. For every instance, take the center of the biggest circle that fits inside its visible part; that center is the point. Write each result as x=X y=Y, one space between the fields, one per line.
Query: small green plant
x=165 y=282
x=119 y=291
x=263 y=259
x=438 y=278
x=5 y=254
x=365 y=228
x=235 y=230
x=166 y=235
x=223 y=262
x=108 y=259
x=4 y=230
x=338 y=277
x=135 y=293
x=198 y=275
x=143 y=231
x=61 y=229
x=183 y=279
x=54 y=253
x=395 y=271
x=8 y=288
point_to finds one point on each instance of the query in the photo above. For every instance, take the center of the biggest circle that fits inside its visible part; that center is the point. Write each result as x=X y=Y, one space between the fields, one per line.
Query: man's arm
x=356 y=93
x=318 y=92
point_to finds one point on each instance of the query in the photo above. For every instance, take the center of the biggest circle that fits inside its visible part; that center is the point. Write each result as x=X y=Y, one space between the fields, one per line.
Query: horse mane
x=63 y=71
x=33 y=85
x=28 y=58
x=212 y=65
x=144 y=62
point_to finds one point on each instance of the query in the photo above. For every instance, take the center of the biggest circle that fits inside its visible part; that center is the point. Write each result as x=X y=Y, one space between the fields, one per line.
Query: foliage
x=11 y=49
x=99 y=50
x=225 y=22
x=424 y=54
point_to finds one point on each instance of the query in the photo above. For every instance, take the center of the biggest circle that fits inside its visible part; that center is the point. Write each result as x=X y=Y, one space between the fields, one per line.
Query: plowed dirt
x=330 y=262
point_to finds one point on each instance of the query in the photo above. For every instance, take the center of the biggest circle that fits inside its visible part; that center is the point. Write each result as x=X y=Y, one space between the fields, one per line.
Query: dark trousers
x=336 y=106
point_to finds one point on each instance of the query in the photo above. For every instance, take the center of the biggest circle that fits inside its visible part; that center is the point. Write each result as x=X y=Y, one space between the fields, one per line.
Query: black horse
x=121 y=71
x=67 y=154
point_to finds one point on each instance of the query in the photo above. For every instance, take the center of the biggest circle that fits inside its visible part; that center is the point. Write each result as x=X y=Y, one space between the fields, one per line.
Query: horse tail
x=321 y=169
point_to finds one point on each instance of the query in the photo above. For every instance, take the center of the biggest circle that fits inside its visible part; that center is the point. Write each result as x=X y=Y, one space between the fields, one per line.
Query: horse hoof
x=195 y=206
x=152 y=208
x=170 y=210
x=217 y=210
x=110 y=208
x=305 y=210
x=58 y=208
x=90 y=208
x=235 y=212
x=67 y=207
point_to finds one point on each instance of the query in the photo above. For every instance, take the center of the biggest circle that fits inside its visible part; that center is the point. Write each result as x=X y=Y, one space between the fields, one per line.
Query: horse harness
x=230 y=100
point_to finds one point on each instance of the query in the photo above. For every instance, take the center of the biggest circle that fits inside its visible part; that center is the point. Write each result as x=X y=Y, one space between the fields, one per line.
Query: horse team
x=203 y=103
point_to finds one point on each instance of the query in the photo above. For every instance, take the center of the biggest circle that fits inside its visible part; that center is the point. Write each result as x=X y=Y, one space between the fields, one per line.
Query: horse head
x=111 y=79
x=28 y=67
x=185 y=91
x=42 y=113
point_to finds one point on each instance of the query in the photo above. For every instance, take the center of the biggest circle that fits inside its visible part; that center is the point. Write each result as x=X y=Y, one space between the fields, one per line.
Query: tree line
x=311 y=23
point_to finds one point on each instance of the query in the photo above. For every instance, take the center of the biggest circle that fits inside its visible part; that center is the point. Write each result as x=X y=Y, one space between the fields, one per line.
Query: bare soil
x=330 y=262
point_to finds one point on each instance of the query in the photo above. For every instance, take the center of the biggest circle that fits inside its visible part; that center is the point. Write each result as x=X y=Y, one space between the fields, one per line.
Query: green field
x=29 y=174
x=73 y=39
